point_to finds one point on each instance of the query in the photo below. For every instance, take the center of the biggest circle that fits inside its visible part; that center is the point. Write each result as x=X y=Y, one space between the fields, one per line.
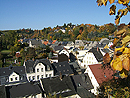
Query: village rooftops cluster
x=71 y=72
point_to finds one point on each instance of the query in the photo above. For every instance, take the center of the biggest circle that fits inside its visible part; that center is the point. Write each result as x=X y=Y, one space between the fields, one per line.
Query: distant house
x=69 y=44
x=57 y=48
x=78 y=43
x=26 y=90
x=62 y=68
x=64 y=51
x=93 y=56
x=59 y=86
x=105 y=41
x=12 y=75
x=37 y=69
x=35 y=43
x=98 y=75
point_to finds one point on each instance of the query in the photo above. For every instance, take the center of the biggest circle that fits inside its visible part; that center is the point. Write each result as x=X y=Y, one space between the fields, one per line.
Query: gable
x=13 y=74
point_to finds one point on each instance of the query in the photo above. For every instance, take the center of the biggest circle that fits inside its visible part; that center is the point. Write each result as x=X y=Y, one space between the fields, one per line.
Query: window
x=16 y=78
x=37 y=77
x=49 y=75
x=33 y=77
x=46 y=75
x=89 y=58
x=29 y=78
x=37 y=70
x=41 y=69
x=41 y=76
x=84 y=66
x=11 y=79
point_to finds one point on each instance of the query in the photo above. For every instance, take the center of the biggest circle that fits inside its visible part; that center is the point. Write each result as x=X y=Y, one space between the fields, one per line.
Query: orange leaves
x=104 y=2
x=123 y=1
x=111 y=1
x=121 y=61
x=121 y=12
x=126 y=63
x=106 y=58
x=112 y=10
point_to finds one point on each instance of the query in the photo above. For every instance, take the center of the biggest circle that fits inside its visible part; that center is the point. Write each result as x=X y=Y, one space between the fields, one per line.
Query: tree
x=120 y=61
x=121 y=12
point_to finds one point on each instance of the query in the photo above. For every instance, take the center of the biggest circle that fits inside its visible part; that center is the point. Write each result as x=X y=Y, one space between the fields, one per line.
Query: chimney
x=60 y=76
x=97 y=48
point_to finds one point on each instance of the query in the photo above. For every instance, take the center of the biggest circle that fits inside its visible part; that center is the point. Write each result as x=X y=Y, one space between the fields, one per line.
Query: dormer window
x=16 y=78
x=11 y=79
x=37 y=69
x=41 y=69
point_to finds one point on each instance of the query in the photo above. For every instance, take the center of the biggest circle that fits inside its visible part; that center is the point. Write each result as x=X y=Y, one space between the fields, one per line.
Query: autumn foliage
x=120 y=12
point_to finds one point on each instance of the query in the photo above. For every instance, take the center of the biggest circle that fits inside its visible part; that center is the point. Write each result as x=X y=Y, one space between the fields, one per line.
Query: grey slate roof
x=2 y=92
x=58 y=48
x=22 y=90
x=36 y=42
x=104 y=41
x=6 y=71
x=98 y=55
x=63 y=68
x=82 y=80
x=83 y=93
x=55 y=85
x=30 y=65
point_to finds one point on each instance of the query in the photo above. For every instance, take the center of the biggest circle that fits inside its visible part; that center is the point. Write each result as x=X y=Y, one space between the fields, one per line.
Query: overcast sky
x=37 y=14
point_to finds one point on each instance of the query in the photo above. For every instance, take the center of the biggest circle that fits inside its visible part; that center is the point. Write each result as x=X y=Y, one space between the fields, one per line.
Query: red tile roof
x=101 y=74
x=54 y=41
x=45 y=42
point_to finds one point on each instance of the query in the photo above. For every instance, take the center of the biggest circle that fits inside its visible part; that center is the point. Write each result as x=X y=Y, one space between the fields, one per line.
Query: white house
x=98 y=75
x=93 y=56
x=38 y=69
x=12 y=75
x=64 y=51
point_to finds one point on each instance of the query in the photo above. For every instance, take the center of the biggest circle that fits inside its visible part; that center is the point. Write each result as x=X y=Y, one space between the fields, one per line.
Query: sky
x=40 y=14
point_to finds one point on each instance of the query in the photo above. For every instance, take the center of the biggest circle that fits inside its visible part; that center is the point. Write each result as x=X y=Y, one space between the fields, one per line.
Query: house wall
x=64 y=52
x=40 y=72
x=88 y=60
x=73 y=96
x=93 y=80
x=14 y=77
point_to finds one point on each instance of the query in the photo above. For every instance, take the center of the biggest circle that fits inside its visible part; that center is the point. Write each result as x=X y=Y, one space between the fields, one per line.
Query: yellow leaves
x=101 y=2
x=120 y=32
x=104 y=2
x=126 y=63
x=123 y=73
x=123 y=1
x=117 y=20
x=121 y=62
x=125 y=40
x=116 y=64
x=112 y=10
